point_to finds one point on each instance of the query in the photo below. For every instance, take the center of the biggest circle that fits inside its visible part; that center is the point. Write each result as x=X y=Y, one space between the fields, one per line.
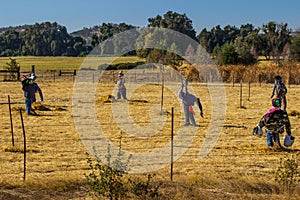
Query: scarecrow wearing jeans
x=276 y=121
x=188 y=101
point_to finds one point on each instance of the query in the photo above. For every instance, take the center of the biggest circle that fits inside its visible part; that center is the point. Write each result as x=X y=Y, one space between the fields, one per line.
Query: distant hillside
x=17 y=28
x=104 y=31
x=86 y=33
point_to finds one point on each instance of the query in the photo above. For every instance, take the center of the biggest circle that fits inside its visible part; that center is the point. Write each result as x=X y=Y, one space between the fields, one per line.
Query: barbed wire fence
x=65 y=163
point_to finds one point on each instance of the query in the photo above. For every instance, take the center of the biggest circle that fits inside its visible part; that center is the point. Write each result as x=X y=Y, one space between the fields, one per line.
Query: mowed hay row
x=56 y=152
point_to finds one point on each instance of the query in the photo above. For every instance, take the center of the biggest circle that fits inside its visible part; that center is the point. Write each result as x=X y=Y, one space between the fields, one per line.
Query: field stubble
x=239 y=165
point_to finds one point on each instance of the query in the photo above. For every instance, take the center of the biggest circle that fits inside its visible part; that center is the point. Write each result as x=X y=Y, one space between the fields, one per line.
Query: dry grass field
x=240 y=166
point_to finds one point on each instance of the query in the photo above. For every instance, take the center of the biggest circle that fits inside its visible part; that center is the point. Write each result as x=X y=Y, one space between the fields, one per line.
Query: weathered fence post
x=32 y=69
x=162 y=93
x=241 y=94
x=249 y=88
x=11 y=123
x=24 y=135
x=172 y=136
x=54 y=77
x=18 y=74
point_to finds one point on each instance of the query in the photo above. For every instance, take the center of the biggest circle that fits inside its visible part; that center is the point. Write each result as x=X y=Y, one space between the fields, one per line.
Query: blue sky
x=76 y=14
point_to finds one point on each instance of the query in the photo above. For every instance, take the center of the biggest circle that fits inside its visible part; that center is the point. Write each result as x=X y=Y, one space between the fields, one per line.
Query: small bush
x=13 y=65
x=287 y=174
x=108 y=180
x=145 y=190
x=111 y=180
x=123 y=66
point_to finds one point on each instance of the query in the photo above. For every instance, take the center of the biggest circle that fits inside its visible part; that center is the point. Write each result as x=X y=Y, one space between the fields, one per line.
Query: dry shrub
x=201 y=73
x=192 y=74
x=262 y=73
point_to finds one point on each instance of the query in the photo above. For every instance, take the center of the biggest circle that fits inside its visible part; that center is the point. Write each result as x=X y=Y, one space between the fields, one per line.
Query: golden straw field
x=240 y=166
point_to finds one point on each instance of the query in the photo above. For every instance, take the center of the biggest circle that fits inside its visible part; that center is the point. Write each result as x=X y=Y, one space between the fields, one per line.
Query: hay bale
x=106 y=99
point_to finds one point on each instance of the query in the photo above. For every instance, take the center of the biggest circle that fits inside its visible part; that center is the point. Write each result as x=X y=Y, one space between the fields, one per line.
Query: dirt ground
x=56 y=155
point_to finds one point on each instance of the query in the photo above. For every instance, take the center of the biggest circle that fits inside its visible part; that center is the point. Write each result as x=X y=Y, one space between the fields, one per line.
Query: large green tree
x=228 y=54
x=295 y=47
x=10 y=43
x=45 y=39
x=175 y=21
x=108 y=39
x=163 y=35
x=217 y=37
x=41 y=39
x=276 y=36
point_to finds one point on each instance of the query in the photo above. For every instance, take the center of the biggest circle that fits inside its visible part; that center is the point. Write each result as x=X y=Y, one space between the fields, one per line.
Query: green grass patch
x=63 y=62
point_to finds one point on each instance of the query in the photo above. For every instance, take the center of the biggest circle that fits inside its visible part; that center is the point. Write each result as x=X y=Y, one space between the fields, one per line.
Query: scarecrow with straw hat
x=30 y=87
x=121 y=86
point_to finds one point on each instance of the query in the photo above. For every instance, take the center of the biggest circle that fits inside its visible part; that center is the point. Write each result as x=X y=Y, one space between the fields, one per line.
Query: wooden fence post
x=241 y=94
x=162 y=93
x=18 y=74
x=11 y=123
x=24 y=135
x=249 y=88
x=32 y=69
x=172 y=137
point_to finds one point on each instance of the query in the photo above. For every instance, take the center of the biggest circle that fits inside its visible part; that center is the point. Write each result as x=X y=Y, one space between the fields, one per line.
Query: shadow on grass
x=290 y=150
x=43 y=115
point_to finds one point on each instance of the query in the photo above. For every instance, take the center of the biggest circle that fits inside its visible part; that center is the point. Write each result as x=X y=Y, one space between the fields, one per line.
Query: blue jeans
x=271 y=138
x=121 y=93
x=189 y=117
x=28 y=103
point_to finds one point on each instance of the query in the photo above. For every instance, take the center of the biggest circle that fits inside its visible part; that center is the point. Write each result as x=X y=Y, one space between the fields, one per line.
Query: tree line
x=42 y=39
x=228 y=45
